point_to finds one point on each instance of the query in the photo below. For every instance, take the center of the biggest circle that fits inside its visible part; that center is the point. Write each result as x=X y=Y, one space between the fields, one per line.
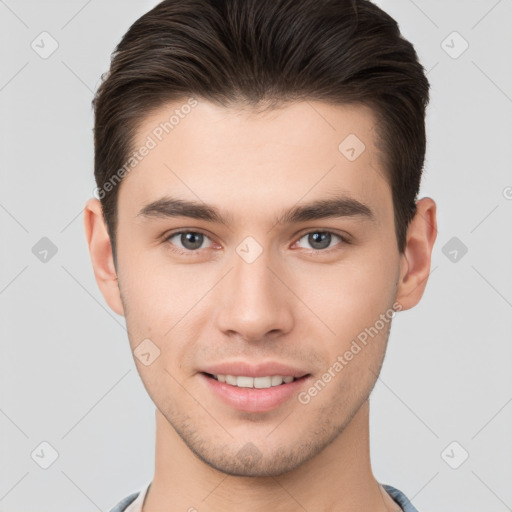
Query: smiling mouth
x=267 y=382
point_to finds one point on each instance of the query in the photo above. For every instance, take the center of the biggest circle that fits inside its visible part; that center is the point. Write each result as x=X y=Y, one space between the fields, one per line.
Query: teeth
x=254 y=382
x=276 y=380
x=231 y=380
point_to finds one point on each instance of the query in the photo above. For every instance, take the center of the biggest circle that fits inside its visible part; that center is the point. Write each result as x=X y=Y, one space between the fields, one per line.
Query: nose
x=254 y=300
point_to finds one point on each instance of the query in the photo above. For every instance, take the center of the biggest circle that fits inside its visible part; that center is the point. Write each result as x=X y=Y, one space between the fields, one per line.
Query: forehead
x=249 y=162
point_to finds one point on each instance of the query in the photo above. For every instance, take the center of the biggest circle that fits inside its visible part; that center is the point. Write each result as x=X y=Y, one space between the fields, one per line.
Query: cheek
x=350 y=296
x=164 y=305
x=157 y=291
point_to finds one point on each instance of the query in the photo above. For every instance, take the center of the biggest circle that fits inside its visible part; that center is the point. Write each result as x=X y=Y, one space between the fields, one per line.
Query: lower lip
x=254 y=399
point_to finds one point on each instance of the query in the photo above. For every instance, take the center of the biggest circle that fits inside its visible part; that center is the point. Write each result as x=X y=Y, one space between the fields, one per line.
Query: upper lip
x=270 y=368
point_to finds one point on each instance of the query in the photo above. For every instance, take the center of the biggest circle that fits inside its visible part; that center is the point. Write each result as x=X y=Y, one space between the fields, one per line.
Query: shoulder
x=400 y=498
x=133 y=502
x=125 y=502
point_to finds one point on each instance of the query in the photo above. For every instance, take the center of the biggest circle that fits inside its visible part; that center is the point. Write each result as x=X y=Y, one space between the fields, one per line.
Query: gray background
x=67 y=375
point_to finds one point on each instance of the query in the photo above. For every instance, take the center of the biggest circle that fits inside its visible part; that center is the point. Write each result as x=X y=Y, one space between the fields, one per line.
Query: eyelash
x=190 y=252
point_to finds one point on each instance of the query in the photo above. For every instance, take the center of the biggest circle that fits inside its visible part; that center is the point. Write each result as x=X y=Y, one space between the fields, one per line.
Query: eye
x=321 y=240
x=190 y=241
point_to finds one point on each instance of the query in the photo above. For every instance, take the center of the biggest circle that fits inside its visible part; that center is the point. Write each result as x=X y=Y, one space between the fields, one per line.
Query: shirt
x=133 y=502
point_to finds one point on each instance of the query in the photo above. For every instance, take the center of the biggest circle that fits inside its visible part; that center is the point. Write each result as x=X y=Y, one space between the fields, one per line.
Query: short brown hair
x=266 y=51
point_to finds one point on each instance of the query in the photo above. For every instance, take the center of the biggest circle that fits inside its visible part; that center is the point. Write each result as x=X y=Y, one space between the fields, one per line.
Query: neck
x=337 y=479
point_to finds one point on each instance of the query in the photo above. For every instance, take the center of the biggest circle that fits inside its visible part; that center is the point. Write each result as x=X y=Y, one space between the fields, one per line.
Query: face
x=258 y=278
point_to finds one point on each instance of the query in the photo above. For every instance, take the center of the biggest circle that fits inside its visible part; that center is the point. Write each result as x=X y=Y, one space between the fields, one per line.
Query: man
x=257 y=164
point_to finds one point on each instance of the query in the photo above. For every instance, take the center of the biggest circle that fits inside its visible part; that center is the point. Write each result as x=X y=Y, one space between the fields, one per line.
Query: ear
x=415 y=261
x=100 y=250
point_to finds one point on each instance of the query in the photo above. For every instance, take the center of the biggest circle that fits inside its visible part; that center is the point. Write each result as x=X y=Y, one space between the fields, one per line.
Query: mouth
x=267 y=382
x=254 y=394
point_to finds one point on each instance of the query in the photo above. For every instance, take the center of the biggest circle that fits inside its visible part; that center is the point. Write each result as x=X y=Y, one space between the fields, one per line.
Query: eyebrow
x=336 y=207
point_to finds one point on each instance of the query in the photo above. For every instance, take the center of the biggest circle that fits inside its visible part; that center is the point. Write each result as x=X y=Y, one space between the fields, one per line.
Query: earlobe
x=100 y=250
x=415 y=263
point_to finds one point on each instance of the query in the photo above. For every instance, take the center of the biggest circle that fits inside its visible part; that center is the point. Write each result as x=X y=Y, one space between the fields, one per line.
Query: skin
x=289 y=305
